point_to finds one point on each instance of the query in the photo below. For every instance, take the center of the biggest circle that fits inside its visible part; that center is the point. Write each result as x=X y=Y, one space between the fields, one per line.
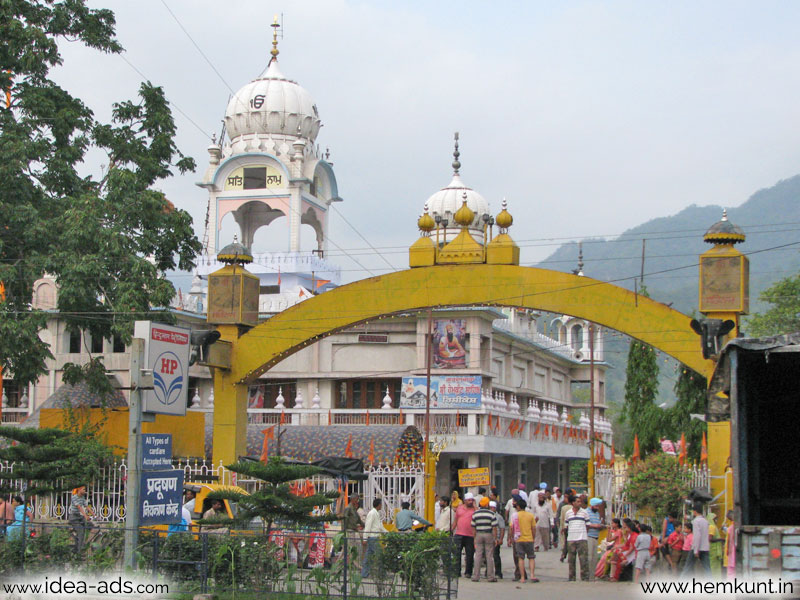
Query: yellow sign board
x=473 y=477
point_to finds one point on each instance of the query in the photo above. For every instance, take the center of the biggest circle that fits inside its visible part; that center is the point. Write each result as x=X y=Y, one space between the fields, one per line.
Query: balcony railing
x=13 y=415
x=485 y=422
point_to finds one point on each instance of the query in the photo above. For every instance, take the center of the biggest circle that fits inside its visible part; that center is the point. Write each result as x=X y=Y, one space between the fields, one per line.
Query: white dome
x=449 y=199
x=272 y=105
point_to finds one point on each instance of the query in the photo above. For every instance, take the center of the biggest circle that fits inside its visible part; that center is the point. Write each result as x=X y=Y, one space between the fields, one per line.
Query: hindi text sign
x=473 y=477
x=161 y=496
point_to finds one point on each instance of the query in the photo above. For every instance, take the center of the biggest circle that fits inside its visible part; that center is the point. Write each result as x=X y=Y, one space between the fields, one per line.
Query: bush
x=419 y=559
x=658 y=483
x=243 y=562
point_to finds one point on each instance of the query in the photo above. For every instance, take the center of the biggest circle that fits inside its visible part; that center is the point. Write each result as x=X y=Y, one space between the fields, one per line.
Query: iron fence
x=308 y=563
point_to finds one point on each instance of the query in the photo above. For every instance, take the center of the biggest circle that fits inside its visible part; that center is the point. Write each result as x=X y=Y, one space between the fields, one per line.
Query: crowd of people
x=543 y=519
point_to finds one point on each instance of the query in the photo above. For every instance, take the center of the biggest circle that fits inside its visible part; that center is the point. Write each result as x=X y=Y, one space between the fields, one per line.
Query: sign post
x=134 y=456
x=167 y=354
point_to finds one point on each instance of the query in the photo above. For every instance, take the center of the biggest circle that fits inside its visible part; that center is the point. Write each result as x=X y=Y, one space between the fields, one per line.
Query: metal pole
x=591 y=410
x=428 y=475
x=132 y=490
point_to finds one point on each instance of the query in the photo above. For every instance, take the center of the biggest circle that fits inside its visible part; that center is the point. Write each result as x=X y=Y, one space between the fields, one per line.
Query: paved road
x=553 y=575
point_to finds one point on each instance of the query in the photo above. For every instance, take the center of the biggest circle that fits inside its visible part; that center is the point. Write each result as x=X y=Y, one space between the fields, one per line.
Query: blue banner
x=161 y=495
x=156 y=451
x=447 y=391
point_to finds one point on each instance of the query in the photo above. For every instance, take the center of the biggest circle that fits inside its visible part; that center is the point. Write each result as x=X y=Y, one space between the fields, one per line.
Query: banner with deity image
x=446 y=392
x=449 y=343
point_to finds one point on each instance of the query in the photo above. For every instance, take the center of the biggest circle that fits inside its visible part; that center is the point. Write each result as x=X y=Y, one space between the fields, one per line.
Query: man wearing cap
x=484 y=530
x=595 y=526
x=498 y=542
x=463 y=535
x=544 y=517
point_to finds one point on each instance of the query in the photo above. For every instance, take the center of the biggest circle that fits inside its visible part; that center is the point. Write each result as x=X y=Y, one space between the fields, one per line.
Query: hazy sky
x=589 y=117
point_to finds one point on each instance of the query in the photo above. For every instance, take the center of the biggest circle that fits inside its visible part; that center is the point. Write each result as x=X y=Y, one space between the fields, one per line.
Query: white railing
x=106 y=495
x=483 y=421
x=14 y=415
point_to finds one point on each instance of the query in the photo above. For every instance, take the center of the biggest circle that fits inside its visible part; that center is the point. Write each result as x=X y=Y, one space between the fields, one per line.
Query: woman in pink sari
x=613 y=540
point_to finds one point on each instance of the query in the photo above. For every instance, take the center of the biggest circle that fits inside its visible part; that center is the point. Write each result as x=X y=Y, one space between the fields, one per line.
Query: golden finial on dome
x=504 y=218
x=275 y=26
x=426 y=222
x=464 y=215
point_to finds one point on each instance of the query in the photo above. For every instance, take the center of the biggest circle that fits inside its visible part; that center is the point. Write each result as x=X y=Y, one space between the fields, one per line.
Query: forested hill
x=770 y=218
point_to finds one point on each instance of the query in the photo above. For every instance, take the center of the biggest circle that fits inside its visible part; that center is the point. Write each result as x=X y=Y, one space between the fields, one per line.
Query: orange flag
x=613 y=454
x=704 y=450
x=348 y=450
x=269 y=434
x=329 y=417
x=367 y=419
x=283 y=417
x=682 y=454
x=489 y=422
x=536 y=432
x=371 y=457
x=602 y=456
x=636 y=456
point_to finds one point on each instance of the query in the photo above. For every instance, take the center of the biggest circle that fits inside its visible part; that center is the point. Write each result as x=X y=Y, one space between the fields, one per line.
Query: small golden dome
x=504 y=218
x=426 y=222
x=464 y=215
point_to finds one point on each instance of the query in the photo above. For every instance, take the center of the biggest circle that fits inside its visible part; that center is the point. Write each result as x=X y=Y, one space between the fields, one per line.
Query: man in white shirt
x=577 y=538
x=373 y=528
x=444 y=522
x=510 y=508
x=701 y=544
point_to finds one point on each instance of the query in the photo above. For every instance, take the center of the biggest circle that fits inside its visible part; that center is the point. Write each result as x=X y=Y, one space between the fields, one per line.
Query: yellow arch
x=494 y=285
x=263 y=346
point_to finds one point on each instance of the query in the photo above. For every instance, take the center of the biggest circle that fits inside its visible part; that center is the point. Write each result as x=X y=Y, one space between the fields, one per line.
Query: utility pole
x=591 y=410
x=132 y=491
x=429 y=509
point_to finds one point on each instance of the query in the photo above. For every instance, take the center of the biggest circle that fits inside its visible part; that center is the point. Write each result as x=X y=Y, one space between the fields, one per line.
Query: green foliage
x=418 y=559
x=690 y=390
x=784 y=314
x=48 y=551
x=639 y=412
x=106 y=240
x=244 y=562
x=273 y=502
x=51 y=460
x=658 y=483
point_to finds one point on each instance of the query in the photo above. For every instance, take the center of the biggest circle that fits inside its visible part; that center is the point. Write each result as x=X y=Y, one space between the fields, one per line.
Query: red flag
x=269 y=434
x=636 y=455
x=371 y=457
x=348 y=450
x=682 y=454
x=704 y=450
x=329 y=417
x=279 y=275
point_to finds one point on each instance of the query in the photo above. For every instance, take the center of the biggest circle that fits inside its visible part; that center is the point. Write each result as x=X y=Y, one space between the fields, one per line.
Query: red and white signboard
x=166 y=350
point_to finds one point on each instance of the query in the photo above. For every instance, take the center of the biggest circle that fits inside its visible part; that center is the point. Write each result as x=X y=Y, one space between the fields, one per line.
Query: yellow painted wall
x=188 y=433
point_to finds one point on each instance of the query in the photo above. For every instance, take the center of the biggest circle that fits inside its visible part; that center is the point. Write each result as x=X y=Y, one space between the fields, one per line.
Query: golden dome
x=426 y=222
x=504 y=218
x=464 y=215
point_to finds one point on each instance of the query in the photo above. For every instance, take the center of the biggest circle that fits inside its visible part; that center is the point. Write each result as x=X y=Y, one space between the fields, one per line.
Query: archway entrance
x=440 y=286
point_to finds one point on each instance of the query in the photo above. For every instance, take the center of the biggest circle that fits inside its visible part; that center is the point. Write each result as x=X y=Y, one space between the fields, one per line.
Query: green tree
x=49 y=461
x=784 y=316
x=639 y=411
x=106 y=240
x=690 y=390
x=658 y=483
x=273 y=501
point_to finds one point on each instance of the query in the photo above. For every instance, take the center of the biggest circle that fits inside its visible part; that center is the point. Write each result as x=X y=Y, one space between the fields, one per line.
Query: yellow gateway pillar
x=725 y=295
x=233 y=308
